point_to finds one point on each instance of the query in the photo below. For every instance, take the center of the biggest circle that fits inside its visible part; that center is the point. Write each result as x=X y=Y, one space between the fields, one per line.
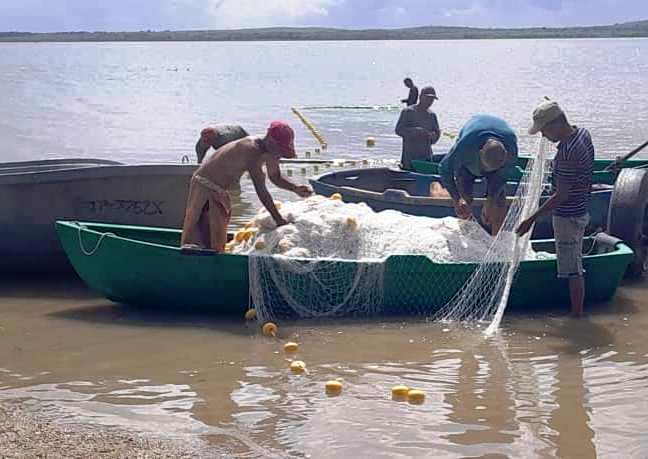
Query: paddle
x=617 y=163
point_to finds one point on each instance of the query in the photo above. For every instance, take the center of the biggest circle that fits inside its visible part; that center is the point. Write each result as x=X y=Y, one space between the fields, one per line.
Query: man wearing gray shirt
x=419 y=128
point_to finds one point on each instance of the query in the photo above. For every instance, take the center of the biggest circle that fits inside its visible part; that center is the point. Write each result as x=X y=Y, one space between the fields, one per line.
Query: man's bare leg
x=577 y=295
x=218 y=221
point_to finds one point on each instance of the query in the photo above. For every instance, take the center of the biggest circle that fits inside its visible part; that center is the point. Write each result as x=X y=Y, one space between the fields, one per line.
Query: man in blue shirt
x=572 y=176
x=485 y=147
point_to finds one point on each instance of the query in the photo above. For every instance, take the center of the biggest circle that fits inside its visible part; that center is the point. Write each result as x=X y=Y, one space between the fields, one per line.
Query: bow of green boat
x=145 y=266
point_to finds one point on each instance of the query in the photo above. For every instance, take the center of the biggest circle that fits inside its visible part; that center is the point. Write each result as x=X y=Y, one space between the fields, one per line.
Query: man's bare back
x=226 y=166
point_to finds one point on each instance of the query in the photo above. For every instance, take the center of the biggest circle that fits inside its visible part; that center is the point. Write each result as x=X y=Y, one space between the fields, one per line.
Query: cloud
x=127 y=15
x=255 y=13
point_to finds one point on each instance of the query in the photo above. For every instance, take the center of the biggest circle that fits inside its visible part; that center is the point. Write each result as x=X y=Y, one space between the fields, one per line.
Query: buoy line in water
x=333 y=387
x=311 y=127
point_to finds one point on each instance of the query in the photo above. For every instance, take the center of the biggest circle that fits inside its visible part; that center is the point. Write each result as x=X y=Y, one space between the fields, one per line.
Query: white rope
x=89 y=253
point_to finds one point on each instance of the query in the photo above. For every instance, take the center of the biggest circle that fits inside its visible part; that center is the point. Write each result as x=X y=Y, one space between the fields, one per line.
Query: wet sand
x=25 y=434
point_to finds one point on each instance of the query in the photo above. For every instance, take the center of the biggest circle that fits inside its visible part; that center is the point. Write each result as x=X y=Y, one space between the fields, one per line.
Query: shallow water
x=548 y=386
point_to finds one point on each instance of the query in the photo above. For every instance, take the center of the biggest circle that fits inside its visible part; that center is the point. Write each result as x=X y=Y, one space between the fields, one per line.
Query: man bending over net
x=485 y=148
x=208 y=204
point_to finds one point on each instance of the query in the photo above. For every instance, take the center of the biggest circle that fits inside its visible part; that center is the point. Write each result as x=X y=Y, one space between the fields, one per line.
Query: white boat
x=34 y=194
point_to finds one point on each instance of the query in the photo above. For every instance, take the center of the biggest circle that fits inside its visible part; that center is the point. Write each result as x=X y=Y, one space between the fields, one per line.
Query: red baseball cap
x=208 y=135
x=284 y=136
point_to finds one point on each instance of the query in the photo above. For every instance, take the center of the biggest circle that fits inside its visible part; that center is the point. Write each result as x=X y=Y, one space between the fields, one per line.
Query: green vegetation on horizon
x=628 y=29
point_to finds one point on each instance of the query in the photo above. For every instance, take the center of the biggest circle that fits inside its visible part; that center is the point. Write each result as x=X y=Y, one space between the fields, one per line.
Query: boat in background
x=620 y=209
x=34 y=194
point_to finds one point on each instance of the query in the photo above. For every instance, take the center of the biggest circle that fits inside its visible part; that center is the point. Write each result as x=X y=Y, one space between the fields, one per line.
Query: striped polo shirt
x=574 y=164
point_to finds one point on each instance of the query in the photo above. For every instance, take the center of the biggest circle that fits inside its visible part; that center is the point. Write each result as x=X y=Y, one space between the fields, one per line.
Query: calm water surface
x=548 y=386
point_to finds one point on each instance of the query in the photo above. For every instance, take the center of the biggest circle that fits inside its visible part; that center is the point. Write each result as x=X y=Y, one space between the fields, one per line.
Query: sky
x=132 y=15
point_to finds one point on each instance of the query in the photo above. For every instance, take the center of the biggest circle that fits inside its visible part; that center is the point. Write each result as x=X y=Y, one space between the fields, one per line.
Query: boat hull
x=33 y=196
x=145 y=267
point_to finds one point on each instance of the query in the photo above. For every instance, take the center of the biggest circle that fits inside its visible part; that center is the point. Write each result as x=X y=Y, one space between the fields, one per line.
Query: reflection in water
x=545 y=387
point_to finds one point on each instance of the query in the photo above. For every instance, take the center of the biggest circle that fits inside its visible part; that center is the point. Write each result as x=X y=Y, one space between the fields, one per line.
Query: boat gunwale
x=619 y=250
x=92 y=172
x=407 y=198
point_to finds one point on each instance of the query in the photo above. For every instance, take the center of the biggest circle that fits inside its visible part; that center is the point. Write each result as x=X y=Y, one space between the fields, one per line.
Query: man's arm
x=436 y=131
x=561 y=195
x=447 y=170
x=258 y=179
x=274 y=174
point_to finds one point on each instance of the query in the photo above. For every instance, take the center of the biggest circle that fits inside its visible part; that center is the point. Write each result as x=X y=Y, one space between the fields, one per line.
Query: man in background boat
x=412 y=97
x=208 y=204
x=572 y=180
x=419 y=128
x=217 y=136
x=486 y=147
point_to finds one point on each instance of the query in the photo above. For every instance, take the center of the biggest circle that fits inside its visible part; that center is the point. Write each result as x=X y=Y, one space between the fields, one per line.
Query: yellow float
x=333 y=388
x=336 y=197
x=297 y=367
x=416 y=397
x=291 y=347
x=250 y=314
x=399 y=393
x=270 y=329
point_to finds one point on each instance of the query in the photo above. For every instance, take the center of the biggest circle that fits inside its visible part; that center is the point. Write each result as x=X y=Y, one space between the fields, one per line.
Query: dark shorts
x=495 y=185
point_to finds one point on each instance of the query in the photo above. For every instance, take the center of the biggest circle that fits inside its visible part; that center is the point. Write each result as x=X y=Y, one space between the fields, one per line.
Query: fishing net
x=485 y=295
x=340 y=259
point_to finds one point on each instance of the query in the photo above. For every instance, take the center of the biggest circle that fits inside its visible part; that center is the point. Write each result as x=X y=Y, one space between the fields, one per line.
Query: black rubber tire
x=628 y=216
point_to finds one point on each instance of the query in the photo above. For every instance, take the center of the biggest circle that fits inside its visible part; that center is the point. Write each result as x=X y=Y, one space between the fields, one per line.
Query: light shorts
x=569 y=233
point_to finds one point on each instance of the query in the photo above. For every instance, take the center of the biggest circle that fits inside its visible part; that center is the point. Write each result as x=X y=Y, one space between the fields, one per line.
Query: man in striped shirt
x=572 y=176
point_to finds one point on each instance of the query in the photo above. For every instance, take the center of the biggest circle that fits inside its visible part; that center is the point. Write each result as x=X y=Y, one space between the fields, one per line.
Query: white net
x=339 y=259
x=484 y=297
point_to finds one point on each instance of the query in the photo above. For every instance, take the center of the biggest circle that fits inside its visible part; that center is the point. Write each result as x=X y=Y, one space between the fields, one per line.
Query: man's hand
x=463 y=209
x=485 y=214
x=280 y=221
x=303 y=191
x=525 y=226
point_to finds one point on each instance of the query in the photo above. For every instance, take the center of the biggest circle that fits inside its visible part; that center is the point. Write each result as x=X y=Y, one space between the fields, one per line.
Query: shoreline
x=22 y=434
x=636 y=29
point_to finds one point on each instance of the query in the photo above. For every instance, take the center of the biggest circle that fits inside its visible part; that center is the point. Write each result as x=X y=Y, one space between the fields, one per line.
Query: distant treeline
x=629 y=29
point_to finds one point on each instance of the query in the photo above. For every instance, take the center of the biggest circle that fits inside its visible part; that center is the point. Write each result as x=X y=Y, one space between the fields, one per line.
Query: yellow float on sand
x=291 y=347
x=250 y=314
x=336 y=197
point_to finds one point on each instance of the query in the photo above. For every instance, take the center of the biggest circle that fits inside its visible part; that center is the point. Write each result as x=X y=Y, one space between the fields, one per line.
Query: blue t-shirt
x=465 y=152
x=574 y=165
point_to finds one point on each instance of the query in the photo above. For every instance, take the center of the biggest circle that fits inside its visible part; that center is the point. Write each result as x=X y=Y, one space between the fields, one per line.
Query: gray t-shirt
x=408 y=127
x=226 y=133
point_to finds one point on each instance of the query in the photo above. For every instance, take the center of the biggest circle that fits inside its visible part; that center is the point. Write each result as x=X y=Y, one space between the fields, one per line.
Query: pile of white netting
x=330 y=259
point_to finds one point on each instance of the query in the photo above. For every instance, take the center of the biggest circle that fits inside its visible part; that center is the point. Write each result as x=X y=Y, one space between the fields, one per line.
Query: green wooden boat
x=600 y=176
x=144 y=266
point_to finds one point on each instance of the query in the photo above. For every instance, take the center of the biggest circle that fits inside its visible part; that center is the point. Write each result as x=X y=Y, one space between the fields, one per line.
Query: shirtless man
x=208 y=205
